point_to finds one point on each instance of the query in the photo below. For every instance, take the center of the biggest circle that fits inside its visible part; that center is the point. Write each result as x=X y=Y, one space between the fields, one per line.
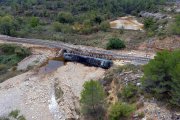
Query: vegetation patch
x=129 y=93
x=93 y=99
x=161 y=77
x=14 y=115
x=115 y=43
x=9 y=57
x=121 y=111
x=58 y=91
x=42 y=19
x=176 y=26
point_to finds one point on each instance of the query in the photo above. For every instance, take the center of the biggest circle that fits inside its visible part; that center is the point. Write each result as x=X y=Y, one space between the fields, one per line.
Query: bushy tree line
x=79 y=16
x=10 y=55
x=115 y=7
x=15 y=26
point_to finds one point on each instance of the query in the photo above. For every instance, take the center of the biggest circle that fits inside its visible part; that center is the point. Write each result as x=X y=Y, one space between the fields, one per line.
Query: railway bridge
x=78 y=50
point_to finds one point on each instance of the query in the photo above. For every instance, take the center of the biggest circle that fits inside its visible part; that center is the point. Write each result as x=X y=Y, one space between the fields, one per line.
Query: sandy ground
x=128 y=23
x=33 y=93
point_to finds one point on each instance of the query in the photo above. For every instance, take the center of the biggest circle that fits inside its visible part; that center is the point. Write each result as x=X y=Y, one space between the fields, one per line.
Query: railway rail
x=79 y=50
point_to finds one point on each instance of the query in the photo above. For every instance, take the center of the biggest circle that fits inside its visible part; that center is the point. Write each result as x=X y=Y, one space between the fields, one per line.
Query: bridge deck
x=106 y=54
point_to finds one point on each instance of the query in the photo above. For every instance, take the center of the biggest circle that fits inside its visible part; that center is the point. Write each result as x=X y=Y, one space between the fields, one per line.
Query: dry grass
x=99 y=39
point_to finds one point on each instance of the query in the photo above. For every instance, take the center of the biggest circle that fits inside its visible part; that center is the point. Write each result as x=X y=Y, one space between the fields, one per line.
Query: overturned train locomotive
x=97 y=62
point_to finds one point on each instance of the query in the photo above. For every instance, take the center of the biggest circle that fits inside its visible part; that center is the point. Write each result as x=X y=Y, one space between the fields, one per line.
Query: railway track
x=79 y=50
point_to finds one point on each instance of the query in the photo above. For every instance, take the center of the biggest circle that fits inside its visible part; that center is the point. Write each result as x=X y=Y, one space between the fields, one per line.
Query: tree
x=34 y=22
x=57 y=26
x=150 y=24
x=176 y=26
x=6 y=25
x=92 y=97
x=120 y=111
x=98 y=19
x=176 y=86
x=65 y=17
x=156 y=76
x=115 y=43
x=161 y=76
x=104 y=26
x=129 y=92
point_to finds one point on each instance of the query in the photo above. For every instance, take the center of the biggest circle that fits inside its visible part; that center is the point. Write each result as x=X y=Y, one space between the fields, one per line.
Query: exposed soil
x=33 y=95
x=166 y=43
x=127 y=23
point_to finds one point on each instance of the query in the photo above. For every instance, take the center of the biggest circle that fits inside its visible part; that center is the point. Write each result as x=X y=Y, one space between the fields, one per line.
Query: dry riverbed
x=33 y=93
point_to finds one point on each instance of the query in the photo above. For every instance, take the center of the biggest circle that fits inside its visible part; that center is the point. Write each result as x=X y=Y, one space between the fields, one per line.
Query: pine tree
x=92 y=97
x=175 y=73
x=162 y=78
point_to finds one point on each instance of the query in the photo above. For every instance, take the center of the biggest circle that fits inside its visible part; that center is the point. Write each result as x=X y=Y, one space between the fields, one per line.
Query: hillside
x=89 y=59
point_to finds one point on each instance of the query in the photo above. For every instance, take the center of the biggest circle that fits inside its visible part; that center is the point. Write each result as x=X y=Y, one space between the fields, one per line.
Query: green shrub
x=22 y=52
x=97 y=19
x=104 y=26
x=141 y=115
x=176 y=26
x=87 y=30
x=57 y=26
x=129 y=92
x=7 y=48
x=21 y=118
x=115 y=43
x=34 y=22
x=10 y=49
x=120 y=111
x=67 y=28
x=65 y=17
x=10 y=56
x=150 y=24
x=22 y=33
x=150 y=33
x=14 y=113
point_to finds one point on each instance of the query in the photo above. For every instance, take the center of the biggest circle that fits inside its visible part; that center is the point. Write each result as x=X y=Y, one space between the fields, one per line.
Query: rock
x=157 y=16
